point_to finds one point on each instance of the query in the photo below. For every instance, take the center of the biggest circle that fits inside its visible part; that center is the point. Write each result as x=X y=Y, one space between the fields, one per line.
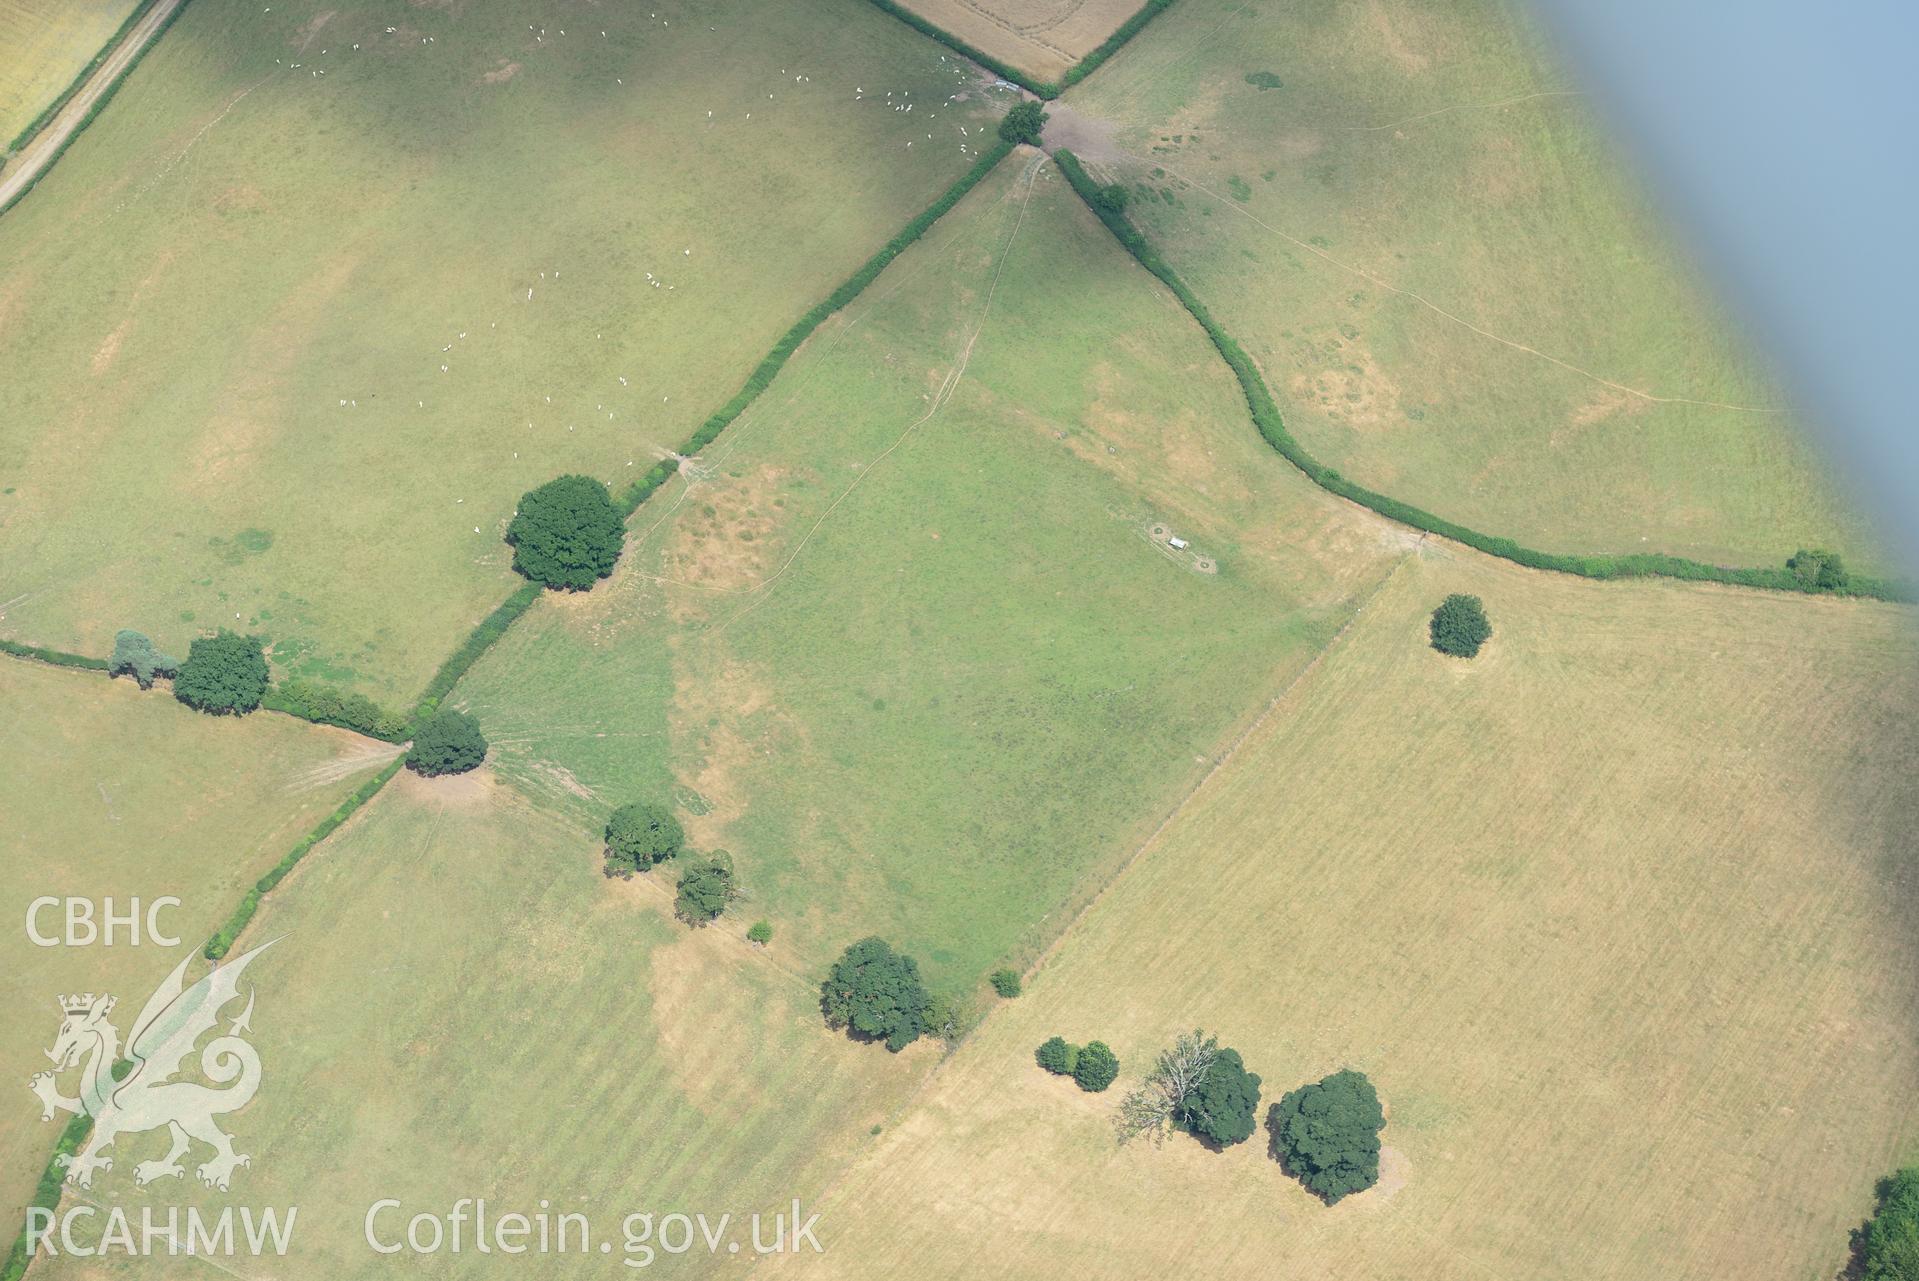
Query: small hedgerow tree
x=1112 y=197
x=1057 y=1055
x=640 y=835
x=136 y=655
x=1818 y=571
x=224 y=674
x=1223 y=1105
x=1327 y=1134
x=446 y=743
x=760 y=934
x=1097 y=1067
x=1006 y=983
x=706 y=887
x=876 y=994
x=1023 y=123
x=1459 y=626
x=567 y=533
x=1888 y=1245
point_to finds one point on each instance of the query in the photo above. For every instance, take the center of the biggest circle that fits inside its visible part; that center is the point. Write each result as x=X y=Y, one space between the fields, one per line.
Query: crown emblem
x=82 y=1004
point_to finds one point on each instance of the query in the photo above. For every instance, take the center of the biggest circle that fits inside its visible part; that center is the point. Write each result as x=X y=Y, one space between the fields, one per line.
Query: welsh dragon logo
x=142 y=1095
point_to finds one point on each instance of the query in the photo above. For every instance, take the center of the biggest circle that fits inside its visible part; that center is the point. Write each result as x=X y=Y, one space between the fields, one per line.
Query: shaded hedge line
x=1108 y=47
x=59 y=658
x=52 y=109
x=46 y=1193
x=223 y=938
x=1047 y=89
x=325 y=705
x=642 y=489
x=478 y=641
x=93 y=112
x=1043 y=88
x=783 y=350
x=1266 y=417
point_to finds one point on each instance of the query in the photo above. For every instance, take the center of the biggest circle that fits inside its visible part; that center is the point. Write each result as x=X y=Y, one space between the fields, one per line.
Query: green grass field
x=905 y=645
x=295 y=336
x=1617 y=917
x=463 y=1006
x=112 y=792
x=46 y=43
x=1456 y=291
x=993 y=626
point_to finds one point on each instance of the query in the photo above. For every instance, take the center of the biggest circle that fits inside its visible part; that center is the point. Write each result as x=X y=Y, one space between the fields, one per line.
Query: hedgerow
x=223 y=938
x=59 y=658
x=478 y=641
x=66 y=95
x=1044 y=88
x=1047 y=89
x=46 y=1193
x=1266 y=418
x=93 y=112
x=769 y=368
x=325 y=705
x=1108 y=47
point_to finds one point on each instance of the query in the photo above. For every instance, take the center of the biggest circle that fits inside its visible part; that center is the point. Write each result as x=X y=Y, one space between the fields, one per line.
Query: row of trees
x=226 y=675
x=642 y=835
x=1325 y=1134
x=1093 y=1066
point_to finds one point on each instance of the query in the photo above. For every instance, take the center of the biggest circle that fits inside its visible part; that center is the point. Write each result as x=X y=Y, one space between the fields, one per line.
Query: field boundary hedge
x=46 y=1193
x=66 y=95
x=228 y=933
x=106 y=96
x=1266 y=417
x=775 y=360
x=1047 y=89
x=57 y=657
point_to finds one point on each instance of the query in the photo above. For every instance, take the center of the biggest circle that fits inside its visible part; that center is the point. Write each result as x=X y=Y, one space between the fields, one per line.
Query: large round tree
x=567 y=533
x=1459 y=626
x=1223 y=1105
x=224 y=674
x=640 y=835
x=877 y=994
x=1327 y=1134
x=446 y=743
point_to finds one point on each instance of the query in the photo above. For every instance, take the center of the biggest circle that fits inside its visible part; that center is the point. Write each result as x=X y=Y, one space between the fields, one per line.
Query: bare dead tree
x=1149 y=1109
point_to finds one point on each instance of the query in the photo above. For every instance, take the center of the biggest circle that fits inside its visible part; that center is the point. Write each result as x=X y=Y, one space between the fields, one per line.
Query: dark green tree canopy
x=640 y=835
x=1889 y=1243
x=1006 y=982
x=567 y=533
x=137 y=656
x=706 y=887
x=1223 y=1105
x=1112 y=197
x=1023 y=123
x=1459 y=626
x=1327 y=1134
x=446 y=743
x=1097 y=1067
x=1818 y=571
x=223 y=674
x=876 y=993
x=1057 y=1055
x=760 y=934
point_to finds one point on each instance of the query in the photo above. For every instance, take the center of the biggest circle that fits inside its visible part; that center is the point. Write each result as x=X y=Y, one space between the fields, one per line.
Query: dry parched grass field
x=43 y=46
x=1040 y=37
x=106 y=791
x=1616 y=916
